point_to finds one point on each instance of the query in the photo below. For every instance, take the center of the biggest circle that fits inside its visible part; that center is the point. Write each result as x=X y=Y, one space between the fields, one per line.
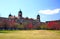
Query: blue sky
x=31 y=8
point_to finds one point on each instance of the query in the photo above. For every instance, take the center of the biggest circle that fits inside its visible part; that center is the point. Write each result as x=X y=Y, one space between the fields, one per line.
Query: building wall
x=53 y=24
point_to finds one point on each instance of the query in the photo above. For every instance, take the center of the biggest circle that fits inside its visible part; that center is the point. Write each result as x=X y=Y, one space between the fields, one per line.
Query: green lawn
x=30 y=34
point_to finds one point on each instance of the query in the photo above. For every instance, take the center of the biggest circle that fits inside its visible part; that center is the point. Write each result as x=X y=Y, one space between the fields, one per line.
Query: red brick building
x=53 y=24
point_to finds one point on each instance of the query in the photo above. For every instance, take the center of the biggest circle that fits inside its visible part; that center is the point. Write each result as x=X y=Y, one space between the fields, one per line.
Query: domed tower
x=20 y=14
x=38 y=17
x=10 y=15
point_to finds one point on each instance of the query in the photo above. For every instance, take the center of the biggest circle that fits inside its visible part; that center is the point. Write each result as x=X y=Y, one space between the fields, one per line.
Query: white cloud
x=48 y=11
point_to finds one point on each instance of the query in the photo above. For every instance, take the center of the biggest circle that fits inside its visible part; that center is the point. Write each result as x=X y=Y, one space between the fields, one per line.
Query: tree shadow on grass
x=4 y=31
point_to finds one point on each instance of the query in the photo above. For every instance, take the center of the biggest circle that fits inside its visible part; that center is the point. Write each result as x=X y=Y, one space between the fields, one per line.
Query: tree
x=43 y=26
x=19 y=26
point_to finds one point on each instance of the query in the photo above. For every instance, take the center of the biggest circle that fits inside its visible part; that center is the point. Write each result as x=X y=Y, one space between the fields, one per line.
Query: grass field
x=30 y=34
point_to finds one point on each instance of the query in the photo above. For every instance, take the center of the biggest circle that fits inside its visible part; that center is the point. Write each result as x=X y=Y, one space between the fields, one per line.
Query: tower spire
x=10 y=15
x=38 y=17
x=20 y=14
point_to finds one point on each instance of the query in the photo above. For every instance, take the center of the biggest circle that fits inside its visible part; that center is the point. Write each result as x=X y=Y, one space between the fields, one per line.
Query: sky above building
x=47 y=9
